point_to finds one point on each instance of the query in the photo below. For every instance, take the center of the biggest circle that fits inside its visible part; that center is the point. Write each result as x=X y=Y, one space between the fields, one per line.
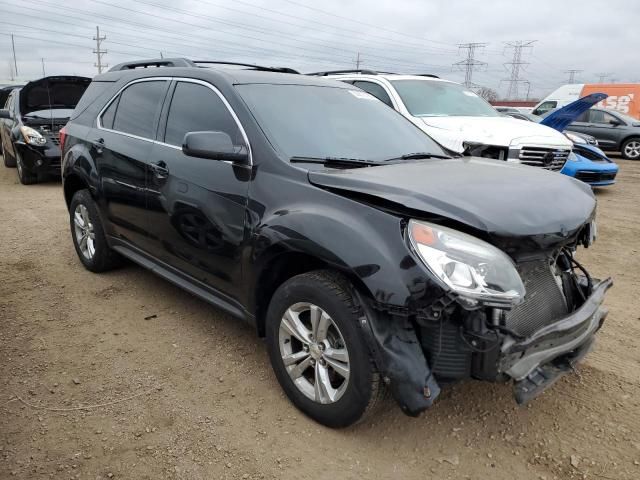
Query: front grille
x=544 y=302
x=55 y=139
x=548 y=158
x=592 y=177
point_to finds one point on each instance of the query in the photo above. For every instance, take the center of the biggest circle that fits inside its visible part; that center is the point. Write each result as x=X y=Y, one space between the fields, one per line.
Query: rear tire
x=25 y=176
x=88 y=234
x=631 y=148
x=318 y=352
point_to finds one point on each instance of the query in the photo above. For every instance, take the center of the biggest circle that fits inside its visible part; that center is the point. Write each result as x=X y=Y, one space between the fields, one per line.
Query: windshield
x=429 y=98
x=319 y=122
x=626 y=118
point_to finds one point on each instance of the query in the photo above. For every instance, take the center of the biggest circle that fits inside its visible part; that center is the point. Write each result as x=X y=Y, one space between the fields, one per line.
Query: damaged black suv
x=367 y=257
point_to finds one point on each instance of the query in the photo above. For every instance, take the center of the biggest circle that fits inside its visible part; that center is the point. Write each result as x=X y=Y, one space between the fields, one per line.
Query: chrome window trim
x=177 y=79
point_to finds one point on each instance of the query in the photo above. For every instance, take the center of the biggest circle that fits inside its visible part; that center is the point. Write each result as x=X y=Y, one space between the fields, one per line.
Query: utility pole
x=602 y=77
x=358 y=61
x=15 y=62
x=470 y=62
x=43 y=74
x=517 y=65
x=572 y=75
x=98 y=51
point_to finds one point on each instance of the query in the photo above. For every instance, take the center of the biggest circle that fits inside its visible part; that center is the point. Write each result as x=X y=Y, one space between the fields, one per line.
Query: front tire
x=88 y=234
x=318 y=352
x=25 y=176
x=631 y=149
x=9 y=161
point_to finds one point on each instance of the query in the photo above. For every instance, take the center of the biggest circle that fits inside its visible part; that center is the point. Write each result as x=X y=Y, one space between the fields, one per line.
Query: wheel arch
x=280 y=265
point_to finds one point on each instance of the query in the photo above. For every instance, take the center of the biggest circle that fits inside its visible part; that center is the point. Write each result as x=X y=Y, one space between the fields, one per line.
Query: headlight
x=575 y=138
x=32 y=137
x=472 y=268
x=573 y=157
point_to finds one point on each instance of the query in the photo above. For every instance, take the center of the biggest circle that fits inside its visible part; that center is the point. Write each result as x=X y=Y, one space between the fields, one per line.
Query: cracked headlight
x=32 y=136
x=470 y=267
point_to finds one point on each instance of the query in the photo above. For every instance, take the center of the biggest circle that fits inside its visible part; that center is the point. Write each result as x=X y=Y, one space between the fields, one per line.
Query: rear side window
x=584 y=117
x=138 y=108
x=375 y=90
x=196 y=108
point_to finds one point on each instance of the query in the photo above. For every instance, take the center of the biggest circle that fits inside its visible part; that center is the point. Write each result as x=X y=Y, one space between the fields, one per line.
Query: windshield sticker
x=469 y=94
x=361 y=94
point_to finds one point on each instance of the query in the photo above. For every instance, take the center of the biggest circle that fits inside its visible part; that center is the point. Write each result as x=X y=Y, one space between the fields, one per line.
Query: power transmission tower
x=470 y=62
x=98 y=51
x=358 y=62
x=517 y=65
x=572 y=75
x=602 y=77
x=43 y=74
x=15 y=62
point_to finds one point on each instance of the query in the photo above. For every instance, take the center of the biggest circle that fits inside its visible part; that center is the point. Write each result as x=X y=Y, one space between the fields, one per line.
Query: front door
x=197 y=206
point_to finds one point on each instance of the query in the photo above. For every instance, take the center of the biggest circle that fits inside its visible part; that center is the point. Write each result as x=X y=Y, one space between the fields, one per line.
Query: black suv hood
x=52 y=92
x=489 y=195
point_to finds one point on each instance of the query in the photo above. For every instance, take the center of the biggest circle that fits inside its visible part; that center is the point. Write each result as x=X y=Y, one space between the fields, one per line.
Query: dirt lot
x=180 y=390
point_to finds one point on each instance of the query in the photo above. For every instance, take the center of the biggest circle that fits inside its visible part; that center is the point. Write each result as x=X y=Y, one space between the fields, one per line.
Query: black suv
x=30 y=124
x=367 y=258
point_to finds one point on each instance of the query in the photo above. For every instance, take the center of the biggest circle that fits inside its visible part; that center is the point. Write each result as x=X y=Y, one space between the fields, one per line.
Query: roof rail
x=332 y=72
x=185 y=62
x=154 y=62
x=427 y=75
x=255 y=67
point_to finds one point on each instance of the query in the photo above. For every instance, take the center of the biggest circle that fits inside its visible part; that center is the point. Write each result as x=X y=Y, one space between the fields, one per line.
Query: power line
x=98 y=51
x=572 y=75
x=517 y=65
x=470 y=62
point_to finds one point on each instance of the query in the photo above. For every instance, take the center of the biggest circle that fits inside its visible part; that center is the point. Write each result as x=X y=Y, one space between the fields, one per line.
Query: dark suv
x=30 y=123
x=367 y=258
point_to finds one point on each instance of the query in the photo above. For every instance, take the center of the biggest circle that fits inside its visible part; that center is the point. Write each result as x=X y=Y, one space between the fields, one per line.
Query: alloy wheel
x=83 y=228
x=632 y=149
x=314 y=353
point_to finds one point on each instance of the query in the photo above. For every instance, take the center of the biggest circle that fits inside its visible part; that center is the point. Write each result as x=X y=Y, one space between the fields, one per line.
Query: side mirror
x=214 y=146
x=4 y=113
x=615 y=123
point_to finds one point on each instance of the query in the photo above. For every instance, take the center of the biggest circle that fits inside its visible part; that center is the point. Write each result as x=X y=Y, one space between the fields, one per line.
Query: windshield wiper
x=417 y=156
x=335 y=160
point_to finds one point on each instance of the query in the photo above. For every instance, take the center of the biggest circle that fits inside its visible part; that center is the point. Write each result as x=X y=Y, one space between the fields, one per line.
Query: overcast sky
x=393 y=35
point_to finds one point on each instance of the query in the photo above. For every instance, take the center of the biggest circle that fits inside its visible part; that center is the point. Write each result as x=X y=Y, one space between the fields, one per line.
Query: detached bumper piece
x=539 y=360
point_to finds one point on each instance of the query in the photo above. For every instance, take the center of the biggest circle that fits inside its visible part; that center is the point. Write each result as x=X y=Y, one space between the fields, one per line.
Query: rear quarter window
x=96 y=91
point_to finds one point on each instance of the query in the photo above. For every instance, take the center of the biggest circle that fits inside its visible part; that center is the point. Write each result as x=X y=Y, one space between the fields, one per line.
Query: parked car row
x=370 y=256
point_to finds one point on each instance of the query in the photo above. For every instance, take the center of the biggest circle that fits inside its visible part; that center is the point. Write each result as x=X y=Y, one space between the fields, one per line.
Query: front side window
x=603 y=118
x=375 y=90
x=325 y=121
x=430 y=98
x=138 y=108
x=197 y=108
x=545 y=107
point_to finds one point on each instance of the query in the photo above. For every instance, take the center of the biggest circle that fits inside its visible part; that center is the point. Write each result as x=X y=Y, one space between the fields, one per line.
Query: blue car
x=590 y=164
x=587 y=162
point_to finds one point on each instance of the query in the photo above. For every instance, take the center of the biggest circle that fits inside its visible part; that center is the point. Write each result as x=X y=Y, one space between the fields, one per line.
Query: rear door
x=121 y=145
x=197 y=206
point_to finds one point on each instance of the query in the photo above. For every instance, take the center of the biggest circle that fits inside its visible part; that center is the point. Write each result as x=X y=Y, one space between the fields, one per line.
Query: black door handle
x=99 y=144
x=160 y=169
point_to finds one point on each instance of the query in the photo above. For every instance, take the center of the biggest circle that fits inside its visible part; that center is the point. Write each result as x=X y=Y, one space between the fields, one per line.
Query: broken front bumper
x=538 y=361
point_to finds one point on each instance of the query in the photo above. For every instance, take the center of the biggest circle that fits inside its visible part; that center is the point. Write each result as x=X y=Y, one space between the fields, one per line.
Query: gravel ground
x=175 y=389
